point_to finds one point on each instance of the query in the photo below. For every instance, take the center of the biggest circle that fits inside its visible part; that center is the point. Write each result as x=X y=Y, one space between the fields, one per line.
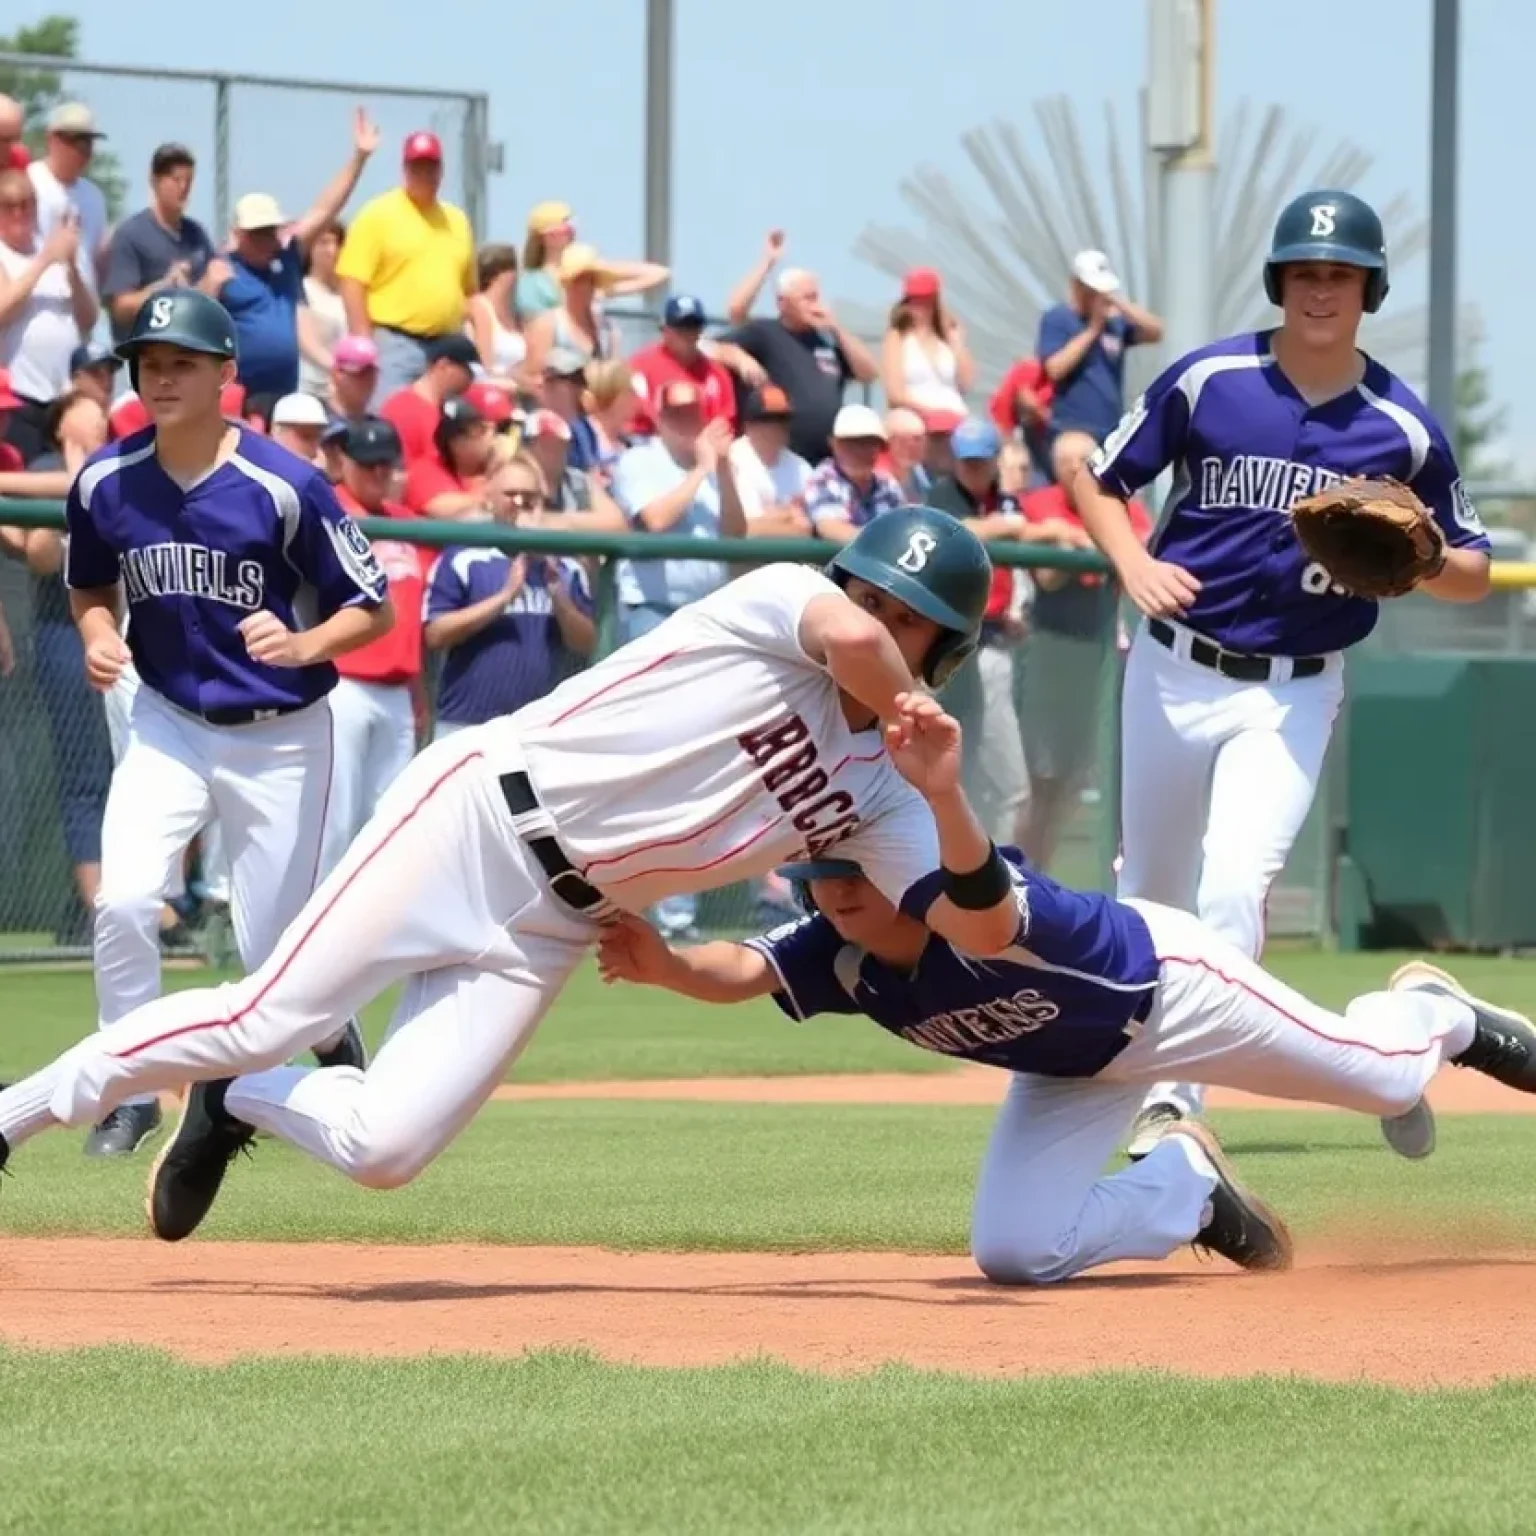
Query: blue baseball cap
x=93 y=355
x=975 y=438
x=683 y=309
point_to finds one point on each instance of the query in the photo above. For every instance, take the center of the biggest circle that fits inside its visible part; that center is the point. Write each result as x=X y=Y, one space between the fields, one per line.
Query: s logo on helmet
x=1324 y=220
x=919 y=546
x=160 y=311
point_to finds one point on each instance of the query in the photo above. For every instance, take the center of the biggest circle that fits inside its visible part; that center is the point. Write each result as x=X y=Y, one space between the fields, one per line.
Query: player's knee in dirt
x=1020 y=1257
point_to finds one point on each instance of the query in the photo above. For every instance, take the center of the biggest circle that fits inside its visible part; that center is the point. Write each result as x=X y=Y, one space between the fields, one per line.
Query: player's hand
x=711 y=445
x=104 y=662
x=270 y=641
x=1160 y=589
x=924 y=744
x=773 y=246
x=517 y=575
x=366 y=137
x=178 y=274
x=219 y=272
x=62 y=243
x=631 y=950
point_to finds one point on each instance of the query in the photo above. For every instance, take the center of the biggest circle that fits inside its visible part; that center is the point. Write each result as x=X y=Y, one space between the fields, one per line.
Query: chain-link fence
x=254 y=133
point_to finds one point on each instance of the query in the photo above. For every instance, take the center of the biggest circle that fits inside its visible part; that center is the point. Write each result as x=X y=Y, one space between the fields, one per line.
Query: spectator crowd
x=429 y=378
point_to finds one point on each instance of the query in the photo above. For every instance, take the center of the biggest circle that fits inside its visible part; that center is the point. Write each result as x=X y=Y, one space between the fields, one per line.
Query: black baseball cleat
x=348 y=1051
x=1241 y=1227
x=124 y=1131
x=1503 y=1043
x=185 y=1179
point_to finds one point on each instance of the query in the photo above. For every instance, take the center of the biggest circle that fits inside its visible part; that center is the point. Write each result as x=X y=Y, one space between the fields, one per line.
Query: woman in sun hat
x=551 y=228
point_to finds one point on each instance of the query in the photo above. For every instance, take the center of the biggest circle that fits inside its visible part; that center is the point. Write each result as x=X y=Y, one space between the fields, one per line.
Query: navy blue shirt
x=519 y=656
x=1245 y=447
x=1064 y=1001
x=264 y=304
x=263 y=532
x=1092 y=397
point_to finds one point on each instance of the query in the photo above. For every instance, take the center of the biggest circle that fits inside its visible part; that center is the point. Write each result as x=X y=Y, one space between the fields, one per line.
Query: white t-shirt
x=36 y=345
x=53 y=197
x=767 y=485
x=712 y=750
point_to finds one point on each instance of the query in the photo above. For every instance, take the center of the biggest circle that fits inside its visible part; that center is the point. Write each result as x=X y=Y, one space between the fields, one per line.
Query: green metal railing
x=609 y=547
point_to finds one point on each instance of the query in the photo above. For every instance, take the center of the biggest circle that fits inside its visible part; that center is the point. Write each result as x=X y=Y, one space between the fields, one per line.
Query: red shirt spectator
x=415 y=418
x=1006 y=408
x=1051 y=503
x=678 y=357
x=415 y=410
x=395 y=657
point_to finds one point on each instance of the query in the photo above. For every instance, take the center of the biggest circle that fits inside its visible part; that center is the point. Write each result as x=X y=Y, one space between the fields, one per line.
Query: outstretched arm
x=631 y=950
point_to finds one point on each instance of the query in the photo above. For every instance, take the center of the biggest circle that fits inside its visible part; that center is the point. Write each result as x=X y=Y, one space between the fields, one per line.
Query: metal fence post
x=221 y=201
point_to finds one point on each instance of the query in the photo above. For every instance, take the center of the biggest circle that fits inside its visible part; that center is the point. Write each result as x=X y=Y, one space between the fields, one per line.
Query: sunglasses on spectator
x=522 y=499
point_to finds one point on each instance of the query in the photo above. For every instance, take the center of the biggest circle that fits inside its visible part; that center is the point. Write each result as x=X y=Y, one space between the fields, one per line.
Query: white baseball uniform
x=709 y=751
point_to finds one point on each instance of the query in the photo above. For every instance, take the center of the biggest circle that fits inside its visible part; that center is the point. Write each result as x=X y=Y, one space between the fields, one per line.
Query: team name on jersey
x=997 y=1022
x=787 y=755
x=193 y=570
x=1252 y=480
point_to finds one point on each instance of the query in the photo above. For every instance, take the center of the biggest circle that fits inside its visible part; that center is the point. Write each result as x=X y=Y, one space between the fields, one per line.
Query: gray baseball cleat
x=1411 y=1134
x=124 y=1131
x=1503 y=1043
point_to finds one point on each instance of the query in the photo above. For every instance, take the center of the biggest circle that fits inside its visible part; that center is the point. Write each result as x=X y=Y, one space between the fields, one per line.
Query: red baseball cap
x=548 y=424
x=942 y=421
x=491 y=400
x=9 y=399
x=920 y=283
x=422 y=145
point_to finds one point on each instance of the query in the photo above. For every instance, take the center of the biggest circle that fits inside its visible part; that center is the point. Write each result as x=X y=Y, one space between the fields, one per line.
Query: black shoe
x=186 y=1177
x=1504 y=1042
x=124 y=1131
x=348 y=1051
x=1242 y=1228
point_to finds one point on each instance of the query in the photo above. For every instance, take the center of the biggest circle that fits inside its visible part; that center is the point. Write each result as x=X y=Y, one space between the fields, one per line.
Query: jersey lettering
x=1255 y=480
x=1324 y=220
x=961 y=1030
x=919 y=546
x=192 y=570
x=1315 y=581
x=787 y=755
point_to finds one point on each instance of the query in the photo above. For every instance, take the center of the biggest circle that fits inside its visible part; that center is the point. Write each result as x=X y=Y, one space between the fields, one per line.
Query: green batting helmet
x=1330 y=226
x=179 y=317
x=935 y=565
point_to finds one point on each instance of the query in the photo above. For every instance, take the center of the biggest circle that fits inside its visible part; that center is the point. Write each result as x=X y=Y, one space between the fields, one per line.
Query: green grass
x=739 y=1176
x=129 y=1442
x=597 y=1032
x=593 y=1032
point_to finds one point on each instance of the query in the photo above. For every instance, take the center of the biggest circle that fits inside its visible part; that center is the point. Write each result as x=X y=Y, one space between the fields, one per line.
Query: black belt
x=250 y=716
x=564 y=878
x=1237 y=665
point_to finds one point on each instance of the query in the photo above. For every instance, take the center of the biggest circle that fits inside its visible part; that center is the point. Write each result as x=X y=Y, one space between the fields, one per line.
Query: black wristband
x=980 y=888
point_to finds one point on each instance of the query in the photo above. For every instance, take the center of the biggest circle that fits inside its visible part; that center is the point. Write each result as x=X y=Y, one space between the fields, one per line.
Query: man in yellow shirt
x=406 y=268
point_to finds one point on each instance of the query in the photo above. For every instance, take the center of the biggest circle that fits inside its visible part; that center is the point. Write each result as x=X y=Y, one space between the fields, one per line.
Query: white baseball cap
x=299 y=410
x=1092 y=270
x=258 y=210
x=859 y=421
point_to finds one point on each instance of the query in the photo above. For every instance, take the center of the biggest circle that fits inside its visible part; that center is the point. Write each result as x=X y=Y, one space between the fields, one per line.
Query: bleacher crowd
x=434 y=379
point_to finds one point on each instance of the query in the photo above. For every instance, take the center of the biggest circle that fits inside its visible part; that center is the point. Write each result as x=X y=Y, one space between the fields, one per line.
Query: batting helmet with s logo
x=178 y=317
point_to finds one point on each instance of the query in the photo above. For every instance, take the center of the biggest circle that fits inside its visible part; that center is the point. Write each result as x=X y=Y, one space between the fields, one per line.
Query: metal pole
x=473 y=148
x=221 y=203
x=658 y=136
x=1188 y=239
x=1445 y=70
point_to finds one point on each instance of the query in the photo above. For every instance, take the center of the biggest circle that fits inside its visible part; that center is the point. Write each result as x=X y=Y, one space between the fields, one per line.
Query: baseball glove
x=1374 y=538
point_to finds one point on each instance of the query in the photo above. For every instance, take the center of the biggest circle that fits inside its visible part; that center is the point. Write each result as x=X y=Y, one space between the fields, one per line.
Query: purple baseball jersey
x=1064 y=1001
x=262 y=532
x=518 y=656
x=1244 y=446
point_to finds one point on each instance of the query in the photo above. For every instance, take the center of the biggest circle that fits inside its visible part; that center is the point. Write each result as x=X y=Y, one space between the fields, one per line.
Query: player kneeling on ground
x=1096 y=999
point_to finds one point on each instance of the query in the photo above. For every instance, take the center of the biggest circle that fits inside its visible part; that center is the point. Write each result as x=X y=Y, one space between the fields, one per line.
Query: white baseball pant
x=1044 y=1208
x=375 y=728
x=438 y=890
x=1216 y=779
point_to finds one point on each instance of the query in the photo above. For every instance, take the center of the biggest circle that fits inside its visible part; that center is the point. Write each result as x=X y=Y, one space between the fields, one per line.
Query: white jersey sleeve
x=766 y=606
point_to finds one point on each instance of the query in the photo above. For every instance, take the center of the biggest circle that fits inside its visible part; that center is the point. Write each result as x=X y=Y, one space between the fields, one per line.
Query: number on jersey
x=1316 y=582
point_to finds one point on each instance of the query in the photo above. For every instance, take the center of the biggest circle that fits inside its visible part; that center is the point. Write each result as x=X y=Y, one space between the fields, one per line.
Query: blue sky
x=807 y=114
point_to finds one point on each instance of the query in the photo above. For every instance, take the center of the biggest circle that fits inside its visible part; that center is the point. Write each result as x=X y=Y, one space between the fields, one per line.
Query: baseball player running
x=742 y=731
x=243 y=579
x=1235 y=678
x=1095 y=999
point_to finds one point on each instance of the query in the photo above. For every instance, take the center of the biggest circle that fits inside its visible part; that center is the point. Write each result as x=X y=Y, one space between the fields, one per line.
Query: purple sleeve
x=89 y=561
x=1439 y=486
x=331 y=553
x=446 y=592
x=1149 y=438
x=922 y=894
x=804 y=955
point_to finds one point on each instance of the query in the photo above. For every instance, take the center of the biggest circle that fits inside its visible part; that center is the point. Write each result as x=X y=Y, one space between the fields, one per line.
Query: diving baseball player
x=774 y=718
x=1236 y=676
x=1095 y=999
x=243 y=579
